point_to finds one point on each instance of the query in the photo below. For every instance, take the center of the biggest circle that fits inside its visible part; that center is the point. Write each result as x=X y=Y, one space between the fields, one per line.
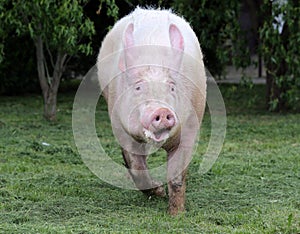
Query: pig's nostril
x=162 y=119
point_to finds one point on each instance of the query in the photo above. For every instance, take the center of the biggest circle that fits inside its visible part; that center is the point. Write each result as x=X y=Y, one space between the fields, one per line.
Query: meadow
x=254 y=186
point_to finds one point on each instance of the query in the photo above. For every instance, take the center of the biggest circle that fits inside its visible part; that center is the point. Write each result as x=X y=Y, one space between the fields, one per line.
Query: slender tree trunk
x=51 y=102
x=40 y=65
x=273 y=92
x=50 y=105
x=49 y=86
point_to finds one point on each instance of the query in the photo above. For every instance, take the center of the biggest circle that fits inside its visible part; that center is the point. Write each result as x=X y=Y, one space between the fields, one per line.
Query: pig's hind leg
x=137 y=168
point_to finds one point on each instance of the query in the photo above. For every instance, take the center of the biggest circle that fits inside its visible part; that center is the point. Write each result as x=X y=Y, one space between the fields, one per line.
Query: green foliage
x=58 y=30
x=281 y=52
x=112 y=8
x=2 y=32
x=216 y=25
x=61 y=24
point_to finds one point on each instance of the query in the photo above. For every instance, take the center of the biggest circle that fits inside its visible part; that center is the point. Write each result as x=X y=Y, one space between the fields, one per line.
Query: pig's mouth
x=157 y=136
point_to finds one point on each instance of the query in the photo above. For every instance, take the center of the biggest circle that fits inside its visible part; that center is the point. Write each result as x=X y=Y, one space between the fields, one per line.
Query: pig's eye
x=138 y=88
x=172 y=87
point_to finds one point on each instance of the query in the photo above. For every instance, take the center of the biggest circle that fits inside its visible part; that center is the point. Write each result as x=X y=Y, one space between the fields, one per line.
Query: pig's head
x=148 y=102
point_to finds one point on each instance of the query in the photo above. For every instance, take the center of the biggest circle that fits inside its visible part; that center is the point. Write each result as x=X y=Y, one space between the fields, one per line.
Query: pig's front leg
x=177 y=167
x=137 y=167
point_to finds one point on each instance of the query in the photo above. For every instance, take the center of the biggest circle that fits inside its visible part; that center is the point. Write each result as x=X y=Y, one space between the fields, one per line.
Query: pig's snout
x=158 y=124
x=162 y=118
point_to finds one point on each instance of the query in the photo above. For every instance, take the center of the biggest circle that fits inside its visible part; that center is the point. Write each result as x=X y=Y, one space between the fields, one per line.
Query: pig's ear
x=176 y=38
x=127 y=43
x=128 y=36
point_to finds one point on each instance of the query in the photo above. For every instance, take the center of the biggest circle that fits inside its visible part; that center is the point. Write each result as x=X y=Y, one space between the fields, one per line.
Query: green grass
x=254 y=187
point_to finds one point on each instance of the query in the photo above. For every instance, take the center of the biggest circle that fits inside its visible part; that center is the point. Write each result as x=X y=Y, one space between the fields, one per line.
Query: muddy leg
x=137 y=167
x=177 y=167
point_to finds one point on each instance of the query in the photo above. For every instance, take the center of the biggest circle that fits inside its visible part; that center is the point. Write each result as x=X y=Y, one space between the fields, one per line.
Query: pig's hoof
x=175 y=210
x=157 y=190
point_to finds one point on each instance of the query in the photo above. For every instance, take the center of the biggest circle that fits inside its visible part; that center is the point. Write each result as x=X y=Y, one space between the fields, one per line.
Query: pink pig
x=151 y=72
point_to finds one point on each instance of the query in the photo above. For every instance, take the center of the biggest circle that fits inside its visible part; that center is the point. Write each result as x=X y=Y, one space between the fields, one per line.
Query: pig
x=151 y=73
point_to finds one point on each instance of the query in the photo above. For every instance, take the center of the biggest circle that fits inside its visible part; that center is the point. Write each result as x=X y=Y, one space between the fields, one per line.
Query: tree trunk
x=274 y=100
x=49 y=86
x=50 y=102
x=40 y=65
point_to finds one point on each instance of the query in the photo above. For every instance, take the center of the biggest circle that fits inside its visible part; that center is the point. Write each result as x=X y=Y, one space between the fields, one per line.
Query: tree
x=280 y=47
x=217 y=27
x=275 y=23
x=58 y=30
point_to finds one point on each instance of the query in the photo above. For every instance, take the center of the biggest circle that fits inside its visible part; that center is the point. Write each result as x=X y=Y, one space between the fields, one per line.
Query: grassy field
x=254 y=187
